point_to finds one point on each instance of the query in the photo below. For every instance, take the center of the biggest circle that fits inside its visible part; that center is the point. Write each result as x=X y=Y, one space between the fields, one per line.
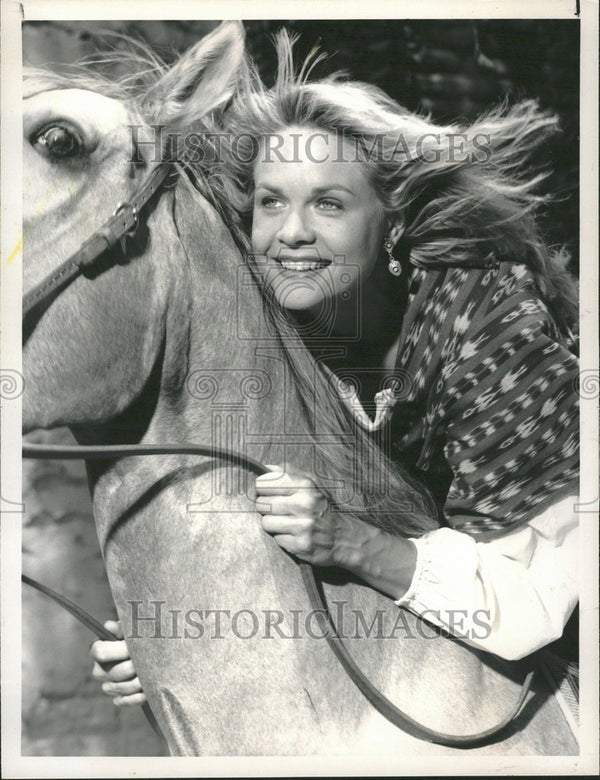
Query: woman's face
x=318 y=225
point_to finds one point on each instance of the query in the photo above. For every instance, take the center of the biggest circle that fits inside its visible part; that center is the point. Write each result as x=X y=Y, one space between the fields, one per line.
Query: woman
x=410 y=251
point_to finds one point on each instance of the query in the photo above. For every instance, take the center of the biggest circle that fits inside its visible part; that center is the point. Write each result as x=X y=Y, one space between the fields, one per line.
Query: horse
x=173 y=340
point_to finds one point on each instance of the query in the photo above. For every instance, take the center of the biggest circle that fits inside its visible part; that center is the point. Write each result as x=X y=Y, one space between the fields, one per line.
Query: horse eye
x=59 y=142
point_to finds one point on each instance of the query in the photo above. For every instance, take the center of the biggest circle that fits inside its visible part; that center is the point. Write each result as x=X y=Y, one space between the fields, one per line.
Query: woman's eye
x=329 y=205
x=270 y=202
x=59 y=142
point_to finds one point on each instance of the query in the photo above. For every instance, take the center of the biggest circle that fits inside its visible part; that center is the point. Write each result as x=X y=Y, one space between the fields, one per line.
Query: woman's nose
x=295 y=228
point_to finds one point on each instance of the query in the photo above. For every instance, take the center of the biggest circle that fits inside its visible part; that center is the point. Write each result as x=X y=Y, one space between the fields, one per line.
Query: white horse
x=174 y=344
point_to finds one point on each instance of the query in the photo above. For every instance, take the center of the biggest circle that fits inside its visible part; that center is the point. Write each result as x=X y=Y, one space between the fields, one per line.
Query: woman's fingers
x=135 y=699
x=287 y=524
x=114 y=626
x=300 y=505
x=274 y=487
x=115 y=668
x=283 y=483
x=295 y=504
x=98 y=673
x=109 y=652
x=126 y=688
x=120 y=672
x=295 y=512
x=116 y=672
x=296 y=545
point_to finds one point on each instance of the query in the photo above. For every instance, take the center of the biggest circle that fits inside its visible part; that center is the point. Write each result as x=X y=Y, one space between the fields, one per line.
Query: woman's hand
x=115 y=668
x=297 y=514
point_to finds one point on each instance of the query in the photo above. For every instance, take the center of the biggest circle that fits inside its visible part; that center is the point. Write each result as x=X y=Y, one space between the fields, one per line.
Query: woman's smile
x=317 y=220
x=304 y=261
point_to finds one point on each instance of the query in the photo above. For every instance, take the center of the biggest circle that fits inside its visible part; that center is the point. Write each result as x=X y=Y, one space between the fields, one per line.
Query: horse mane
x=126 y=69
x=382 y=494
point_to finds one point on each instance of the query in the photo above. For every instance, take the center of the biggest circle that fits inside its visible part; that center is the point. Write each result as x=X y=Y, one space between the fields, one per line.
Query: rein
x=94 y=626
x=123 y=224
x=315 y=595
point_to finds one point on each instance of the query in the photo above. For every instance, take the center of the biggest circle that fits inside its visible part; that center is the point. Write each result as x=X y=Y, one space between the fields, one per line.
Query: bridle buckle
x=122 y=225
x=124 y=205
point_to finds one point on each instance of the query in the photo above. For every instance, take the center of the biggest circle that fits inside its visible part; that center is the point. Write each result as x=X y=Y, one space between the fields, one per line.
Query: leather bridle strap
x=122 y=223
x=111 y=451
x=381 y=703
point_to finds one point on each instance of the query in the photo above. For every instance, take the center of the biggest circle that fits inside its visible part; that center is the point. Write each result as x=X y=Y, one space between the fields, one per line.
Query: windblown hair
x=376 y=490
x=463 y=194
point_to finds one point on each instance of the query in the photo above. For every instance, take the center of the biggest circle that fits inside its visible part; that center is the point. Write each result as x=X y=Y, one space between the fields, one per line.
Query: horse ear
x=202 y=78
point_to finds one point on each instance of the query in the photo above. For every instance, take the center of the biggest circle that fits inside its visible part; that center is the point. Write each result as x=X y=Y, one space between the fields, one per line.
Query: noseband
x=122 y=224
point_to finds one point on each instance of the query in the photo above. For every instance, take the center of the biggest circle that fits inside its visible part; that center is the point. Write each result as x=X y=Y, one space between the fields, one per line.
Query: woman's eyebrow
x=269 y=187
x=330 y=187
x=315 y=191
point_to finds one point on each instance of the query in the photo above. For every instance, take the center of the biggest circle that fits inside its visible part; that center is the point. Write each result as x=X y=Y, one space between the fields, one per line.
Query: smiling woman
x=318 y=216
x=479 y=325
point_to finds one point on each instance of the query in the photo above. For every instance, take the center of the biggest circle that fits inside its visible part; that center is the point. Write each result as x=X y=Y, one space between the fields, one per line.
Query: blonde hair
x=474 y=208
x=378 y=491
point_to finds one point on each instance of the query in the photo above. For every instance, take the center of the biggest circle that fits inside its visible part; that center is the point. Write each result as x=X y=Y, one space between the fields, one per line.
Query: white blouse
x=509 y=596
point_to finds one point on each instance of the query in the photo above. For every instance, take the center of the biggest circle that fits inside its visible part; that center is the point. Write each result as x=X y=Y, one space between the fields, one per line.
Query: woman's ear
x=394 y=232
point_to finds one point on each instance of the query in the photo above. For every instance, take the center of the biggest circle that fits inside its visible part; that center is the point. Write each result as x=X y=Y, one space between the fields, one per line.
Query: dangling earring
x=394 y=266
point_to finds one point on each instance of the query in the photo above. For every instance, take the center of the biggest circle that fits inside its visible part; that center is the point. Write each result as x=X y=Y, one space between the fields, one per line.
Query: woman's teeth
x=302 y=265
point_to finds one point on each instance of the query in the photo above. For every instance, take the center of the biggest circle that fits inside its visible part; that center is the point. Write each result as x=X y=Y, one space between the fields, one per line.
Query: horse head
x=88 y=143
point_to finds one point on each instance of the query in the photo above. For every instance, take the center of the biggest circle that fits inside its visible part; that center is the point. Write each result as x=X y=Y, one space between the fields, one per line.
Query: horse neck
x=220 y=374
x=225 y=370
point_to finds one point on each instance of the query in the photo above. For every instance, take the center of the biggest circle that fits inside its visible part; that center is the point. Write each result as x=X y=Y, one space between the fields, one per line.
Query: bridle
x=122 y=224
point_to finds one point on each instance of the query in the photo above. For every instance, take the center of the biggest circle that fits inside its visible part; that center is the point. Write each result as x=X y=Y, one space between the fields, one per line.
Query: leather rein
x=121 y=225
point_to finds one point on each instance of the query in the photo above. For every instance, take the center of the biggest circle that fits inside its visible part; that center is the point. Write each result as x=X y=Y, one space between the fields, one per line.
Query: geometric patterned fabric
x=487 y=402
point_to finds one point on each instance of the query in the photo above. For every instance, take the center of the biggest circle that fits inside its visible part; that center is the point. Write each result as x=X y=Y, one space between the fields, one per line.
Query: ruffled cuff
x=508 y=596
x=445 y=577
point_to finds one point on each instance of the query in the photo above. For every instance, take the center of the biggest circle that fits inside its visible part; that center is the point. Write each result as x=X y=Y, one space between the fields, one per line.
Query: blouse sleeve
x=509 y=596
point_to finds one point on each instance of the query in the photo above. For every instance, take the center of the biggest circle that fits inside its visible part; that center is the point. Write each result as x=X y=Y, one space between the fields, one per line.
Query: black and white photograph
x=299 y=389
